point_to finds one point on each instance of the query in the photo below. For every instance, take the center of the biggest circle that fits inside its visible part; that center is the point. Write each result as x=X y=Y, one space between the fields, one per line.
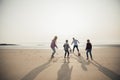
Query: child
x=89 y=49
x=66 y=48
x=53 y=45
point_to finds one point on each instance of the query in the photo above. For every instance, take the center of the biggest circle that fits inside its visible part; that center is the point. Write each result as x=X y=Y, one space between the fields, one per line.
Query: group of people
x=67 y=48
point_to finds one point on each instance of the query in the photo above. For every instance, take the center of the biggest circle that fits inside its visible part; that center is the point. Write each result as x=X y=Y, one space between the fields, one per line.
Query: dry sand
x=35 y=64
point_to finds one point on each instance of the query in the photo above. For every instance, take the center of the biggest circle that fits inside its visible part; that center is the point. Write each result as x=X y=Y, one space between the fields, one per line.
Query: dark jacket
x=89 y=46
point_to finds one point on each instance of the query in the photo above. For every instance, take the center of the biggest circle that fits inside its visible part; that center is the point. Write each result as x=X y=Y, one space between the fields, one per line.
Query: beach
x=35 y=64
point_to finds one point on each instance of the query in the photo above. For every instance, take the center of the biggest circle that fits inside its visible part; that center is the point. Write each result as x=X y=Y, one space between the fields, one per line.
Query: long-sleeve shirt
x=75 y=42
x=88 y=46
x=53 y=44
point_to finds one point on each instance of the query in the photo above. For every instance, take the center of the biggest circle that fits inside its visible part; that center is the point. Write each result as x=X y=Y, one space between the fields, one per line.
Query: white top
x=75 y=42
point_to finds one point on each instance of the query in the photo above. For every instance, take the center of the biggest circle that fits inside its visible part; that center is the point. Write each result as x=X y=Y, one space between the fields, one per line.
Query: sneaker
x=52 y=56
x=78 y=54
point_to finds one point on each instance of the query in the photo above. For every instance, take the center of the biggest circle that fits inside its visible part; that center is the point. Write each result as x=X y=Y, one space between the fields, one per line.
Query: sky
x=29 y=21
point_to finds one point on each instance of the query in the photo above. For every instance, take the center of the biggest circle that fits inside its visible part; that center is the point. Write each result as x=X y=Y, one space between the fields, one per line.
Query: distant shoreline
x=110 y=45
x=107 y=45
x=46 y=46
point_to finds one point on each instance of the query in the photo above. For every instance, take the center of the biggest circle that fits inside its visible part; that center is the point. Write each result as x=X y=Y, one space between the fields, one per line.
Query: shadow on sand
x=65 y=71
x=32 y=74
x=81 y=60
x=112 y=75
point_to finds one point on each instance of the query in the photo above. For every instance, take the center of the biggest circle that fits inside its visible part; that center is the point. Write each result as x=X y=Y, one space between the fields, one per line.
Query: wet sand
x=35 y=64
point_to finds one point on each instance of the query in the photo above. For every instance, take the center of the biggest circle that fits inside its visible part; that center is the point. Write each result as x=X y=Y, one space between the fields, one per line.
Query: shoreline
x=43 y=47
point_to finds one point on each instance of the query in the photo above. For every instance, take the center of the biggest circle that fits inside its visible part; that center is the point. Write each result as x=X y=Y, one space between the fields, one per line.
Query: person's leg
x=87 y=55
x=54 y=51
x=73 y=48
x=65 y=54
x=77 y=48
x=68 y=54
x=90 y=55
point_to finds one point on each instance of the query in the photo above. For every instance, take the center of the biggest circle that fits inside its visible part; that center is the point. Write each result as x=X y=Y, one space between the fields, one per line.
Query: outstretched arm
x=56 y=46
x=86 y=47
x=72 y=43
x=78 y=41
x=70 y=48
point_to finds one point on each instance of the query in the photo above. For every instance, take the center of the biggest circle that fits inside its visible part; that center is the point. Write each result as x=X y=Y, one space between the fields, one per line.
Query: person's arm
x=70 y=49
x=91 y=46
x=78 y=41
x=68 y=46
x=56 y=45
x=72 y=43
x=86 y=47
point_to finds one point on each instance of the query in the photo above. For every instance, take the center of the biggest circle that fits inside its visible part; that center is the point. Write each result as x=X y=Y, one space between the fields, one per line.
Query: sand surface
x=35 y=64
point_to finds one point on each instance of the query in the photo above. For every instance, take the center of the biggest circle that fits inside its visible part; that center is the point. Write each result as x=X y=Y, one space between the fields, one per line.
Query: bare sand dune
x=35 y=64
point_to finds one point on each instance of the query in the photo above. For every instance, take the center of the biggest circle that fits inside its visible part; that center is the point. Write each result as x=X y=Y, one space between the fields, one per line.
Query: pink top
x=53 y=44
